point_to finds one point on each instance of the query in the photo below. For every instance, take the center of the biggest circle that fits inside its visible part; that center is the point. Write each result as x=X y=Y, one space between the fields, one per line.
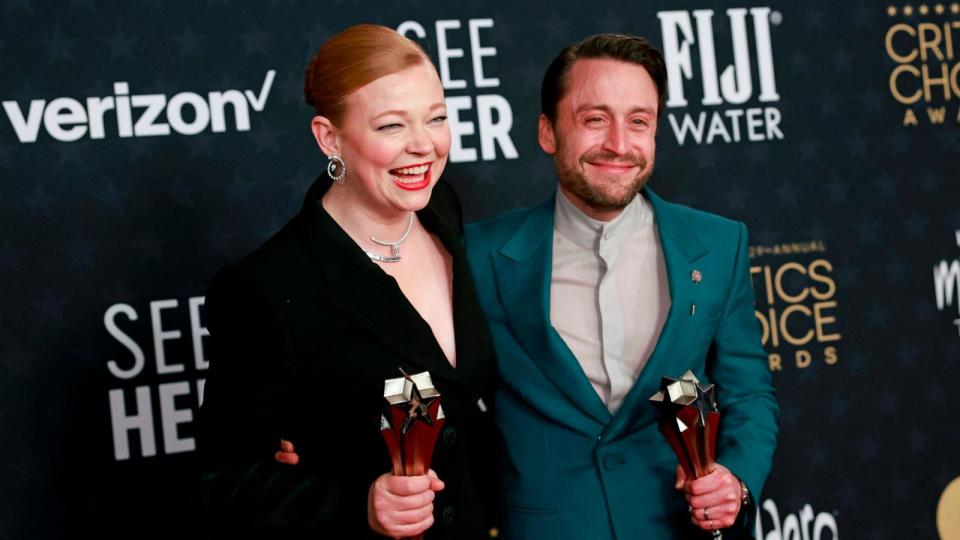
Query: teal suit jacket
x=573 y=470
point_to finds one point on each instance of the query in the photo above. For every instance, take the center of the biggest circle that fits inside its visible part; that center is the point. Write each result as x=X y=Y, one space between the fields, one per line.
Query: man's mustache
x=605 y=156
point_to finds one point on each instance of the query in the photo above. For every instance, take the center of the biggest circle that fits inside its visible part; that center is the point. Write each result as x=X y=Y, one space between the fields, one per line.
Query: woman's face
x=394 y=139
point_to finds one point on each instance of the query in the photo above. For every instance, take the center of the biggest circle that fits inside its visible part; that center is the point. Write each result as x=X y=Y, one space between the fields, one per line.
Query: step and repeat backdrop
x=144 y=144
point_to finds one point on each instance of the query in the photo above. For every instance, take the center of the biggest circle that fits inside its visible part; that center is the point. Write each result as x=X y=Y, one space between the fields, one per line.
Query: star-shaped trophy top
x=413 y=393
x=686 y=392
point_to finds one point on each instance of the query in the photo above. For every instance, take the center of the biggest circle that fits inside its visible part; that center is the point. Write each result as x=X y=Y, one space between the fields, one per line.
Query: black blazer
x=303 y=333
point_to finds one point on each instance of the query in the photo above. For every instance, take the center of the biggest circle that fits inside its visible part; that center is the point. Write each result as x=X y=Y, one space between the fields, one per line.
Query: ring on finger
x=690 y=509
x=706 y=513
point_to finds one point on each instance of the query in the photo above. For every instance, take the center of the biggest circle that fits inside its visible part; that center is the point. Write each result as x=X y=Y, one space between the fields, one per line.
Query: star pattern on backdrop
x=255 y=41
x=857 y=145
x=870 y=100
x=188 y=42
x=886 y=185
x=868 y=229
x=39 y=203
x=837 y=190
x=80 y=254
x=59 y=46
x=49 y=306
x=848 y=275
x=121 y=45
x=896 y=271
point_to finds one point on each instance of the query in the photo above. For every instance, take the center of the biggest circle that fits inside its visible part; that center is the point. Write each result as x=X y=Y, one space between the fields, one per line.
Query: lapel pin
x=696 y=277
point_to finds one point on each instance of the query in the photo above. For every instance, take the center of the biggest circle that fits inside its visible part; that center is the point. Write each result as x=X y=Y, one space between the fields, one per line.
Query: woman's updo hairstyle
x=352 y=59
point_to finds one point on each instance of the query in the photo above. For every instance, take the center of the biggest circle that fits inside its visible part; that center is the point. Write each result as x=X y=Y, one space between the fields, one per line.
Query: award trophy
x=688 y=417
x=411 y=423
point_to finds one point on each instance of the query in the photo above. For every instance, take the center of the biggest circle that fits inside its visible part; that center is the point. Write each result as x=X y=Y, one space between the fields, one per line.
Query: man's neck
x=589 y=211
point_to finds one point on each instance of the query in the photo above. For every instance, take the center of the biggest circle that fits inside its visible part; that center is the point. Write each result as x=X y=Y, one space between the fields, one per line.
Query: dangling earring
x=336 y=169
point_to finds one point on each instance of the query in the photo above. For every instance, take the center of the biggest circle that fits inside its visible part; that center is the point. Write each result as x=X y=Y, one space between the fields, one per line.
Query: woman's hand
x=287 y=454
x=397 y=506
x=402 y=506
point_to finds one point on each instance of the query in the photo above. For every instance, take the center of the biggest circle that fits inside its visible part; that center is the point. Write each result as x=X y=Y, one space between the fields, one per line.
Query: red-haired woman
x=369 y=277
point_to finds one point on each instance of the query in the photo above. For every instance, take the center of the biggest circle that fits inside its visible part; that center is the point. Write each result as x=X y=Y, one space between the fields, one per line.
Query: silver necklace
x=394 y=246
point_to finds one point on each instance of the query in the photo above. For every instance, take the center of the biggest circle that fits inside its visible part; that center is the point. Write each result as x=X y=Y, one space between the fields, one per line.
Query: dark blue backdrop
x=145 y=144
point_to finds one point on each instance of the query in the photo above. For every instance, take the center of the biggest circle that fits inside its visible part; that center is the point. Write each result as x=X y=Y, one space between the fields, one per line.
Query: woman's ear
x=326 y=135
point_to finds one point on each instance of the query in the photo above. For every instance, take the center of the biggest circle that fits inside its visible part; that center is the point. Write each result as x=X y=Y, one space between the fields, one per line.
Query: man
x=597 y=293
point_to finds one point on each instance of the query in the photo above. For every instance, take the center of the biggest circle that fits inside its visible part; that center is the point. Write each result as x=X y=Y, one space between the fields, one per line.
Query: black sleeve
x=247 y=409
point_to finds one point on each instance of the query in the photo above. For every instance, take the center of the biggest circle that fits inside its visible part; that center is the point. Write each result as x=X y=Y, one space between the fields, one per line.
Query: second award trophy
x=688 y=418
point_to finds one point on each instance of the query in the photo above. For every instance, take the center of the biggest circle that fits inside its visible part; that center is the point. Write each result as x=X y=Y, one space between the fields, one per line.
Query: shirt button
x=446 y=516
x=450 y=436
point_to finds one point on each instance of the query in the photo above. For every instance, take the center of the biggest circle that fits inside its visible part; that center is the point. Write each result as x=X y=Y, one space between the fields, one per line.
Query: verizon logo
x=144 y=115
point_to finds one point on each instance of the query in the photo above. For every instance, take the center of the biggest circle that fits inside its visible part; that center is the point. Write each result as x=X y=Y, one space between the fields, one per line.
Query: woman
x=370 y=277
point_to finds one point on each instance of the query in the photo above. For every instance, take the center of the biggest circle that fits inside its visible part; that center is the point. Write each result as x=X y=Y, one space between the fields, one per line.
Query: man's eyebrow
x=592 y=107
x=606 y=108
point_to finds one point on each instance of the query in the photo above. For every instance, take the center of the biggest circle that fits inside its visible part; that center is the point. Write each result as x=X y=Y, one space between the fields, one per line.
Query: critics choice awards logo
x=713 y=102
x=796 y=304
x=922 y=42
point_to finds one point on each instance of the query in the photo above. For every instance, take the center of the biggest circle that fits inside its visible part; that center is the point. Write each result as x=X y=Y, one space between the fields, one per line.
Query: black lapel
x=357 y=287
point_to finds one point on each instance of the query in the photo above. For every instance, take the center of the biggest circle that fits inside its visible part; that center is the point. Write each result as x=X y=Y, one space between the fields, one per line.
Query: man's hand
x=287 y=454
x=714 y=499
x=402 y=506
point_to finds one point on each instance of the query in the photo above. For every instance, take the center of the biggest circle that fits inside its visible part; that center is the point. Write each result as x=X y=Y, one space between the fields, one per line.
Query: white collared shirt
x=609 y=294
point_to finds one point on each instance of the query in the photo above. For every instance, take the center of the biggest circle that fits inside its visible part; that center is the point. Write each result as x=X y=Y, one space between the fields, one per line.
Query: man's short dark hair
x=633 y=49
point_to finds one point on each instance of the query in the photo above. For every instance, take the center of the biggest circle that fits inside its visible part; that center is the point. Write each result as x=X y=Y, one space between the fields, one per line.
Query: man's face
x=602 y=140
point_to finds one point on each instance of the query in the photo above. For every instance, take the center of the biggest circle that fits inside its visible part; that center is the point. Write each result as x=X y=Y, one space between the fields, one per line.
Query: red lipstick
x=413 y=186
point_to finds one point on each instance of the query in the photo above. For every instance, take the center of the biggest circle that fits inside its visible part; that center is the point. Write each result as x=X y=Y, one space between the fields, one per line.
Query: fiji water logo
x=733 y=85
x=143 y=115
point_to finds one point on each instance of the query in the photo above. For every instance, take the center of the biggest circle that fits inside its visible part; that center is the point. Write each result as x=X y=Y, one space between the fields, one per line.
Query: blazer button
x=450 y=436
x=612 y=462
x=446 y=516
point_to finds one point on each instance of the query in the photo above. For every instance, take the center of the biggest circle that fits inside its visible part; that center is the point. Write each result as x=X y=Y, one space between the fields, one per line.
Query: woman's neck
x=360 y=221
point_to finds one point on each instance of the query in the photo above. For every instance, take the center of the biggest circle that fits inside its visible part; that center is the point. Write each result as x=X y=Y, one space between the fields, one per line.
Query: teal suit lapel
x=522 y=270
x=681 y=250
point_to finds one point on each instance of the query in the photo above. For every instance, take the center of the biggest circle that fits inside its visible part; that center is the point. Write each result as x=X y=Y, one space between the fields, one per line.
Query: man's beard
x=575 y=181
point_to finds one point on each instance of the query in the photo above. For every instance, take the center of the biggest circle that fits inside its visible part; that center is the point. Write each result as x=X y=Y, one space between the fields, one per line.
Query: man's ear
x=545 y=135
x=326 y=135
